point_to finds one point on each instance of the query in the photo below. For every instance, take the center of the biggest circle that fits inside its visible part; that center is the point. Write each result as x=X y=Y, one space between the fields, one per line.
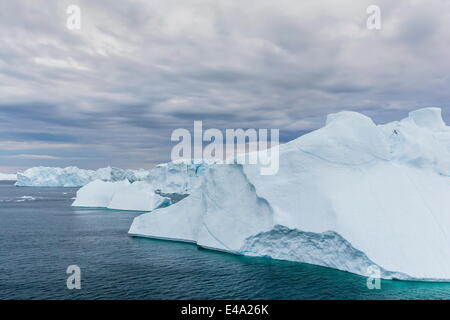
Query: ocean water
x=41 y=235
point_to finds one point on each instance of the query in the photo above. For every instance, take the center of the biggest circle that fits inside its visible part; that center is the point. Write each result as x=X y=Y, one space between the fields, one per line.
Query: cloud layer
x=112 y=92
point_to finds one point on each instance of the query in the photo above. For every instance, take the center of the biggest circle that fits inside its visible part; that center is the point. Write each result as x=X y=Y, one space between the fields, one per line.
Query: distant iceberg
x=348 y=196
x=8 y=177
x=73 y=176
x=178 y=177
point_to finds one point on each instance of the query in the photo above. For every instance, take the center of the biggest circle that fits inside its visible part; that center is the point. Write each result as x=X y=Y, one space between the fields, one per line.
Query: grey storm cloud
x=112 y=92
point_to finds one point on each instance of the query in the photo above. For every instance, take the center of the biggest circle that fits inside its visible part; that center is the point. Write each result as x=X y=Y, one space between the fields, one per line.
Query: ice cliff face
x=326 y=249
x=214 y=216
x=177 y=176
x=349 y=195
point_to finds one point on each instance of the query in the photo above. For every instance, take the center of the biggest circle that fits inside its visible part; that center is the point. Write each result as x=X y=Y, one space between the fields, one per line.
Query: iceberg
x=161 y=185
x=177 y=177
x=8 y=177
x=120 y=195
x=73 y=176
x=350 y=195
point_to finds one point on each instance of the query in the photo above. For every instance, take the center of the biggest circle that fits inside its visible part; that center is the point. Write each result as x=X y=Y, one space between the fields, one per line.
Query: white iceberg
x=8 y=177
x=349 y=196
x=121 y=195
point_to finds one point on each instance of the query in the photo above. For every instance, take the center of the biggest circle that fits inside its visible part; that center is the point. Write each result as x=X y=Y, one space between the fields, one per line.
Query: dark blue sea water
x=41 y=236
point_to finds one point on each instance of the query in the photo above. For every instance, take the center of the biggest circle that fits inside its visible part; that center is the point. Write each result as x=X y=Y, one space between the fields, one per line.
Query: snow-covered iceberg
x=120 y=195
x=8 y=177
x=351 y=195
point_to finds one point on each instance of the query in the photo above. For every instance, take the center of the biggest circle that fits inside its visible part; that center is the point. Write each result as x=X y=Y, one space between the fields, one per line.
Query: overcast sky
x=112 y=92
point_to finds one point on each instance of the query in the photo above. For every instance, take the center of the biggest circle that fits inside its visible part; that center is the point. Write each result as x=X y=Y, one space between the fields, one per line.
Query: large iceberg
x=120 y=195
x=8 y=177
x=350 y=196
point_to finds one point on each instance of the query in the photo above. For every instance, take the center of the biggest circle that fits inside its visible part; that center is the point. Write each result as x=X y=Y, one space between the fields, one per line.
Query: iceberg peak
x=430 y=118
x=347 y=116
